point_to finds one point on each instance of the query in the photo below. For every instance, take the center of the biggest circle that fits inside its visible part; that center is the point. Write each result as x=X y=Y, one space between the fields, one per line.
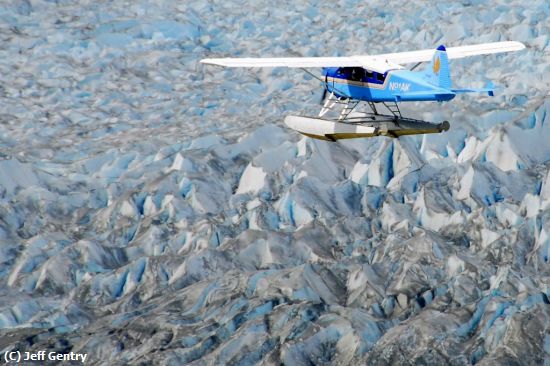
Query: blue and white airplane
x=377 y=80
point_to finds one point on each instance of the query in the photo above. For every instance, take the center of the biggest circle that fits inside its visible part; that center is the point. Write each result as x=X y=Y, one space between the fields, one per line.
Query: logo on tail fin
x=437 y=65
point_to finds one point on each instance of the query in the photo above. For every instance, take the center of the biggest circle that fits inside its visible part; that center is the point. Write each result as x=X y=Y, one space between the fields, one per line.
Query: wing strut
x=415 y=66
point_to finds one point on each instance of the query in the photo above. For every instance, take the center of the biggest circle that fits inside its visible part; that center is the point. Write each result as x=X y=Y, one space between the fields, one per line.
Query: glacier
x=156 y=211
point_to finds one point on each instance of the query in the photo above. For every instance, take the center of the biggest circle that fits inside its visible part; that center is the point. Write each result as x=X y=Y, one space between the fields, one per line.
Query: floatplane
x=380 y=82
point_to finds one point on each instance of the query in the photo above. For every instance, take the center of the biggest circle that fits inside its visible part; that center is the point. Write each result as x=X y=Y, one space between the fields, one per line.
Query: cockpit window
x=380 y=77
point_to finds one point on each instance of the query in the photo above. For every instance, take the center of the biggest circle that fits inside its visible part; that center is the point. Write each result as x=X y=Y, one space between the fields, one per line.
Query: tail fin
x=438 y=72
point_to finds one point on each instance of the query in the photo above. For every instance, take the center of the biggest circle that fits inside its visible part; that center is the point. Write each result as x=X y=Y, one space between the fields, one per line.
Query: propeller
x=325 y=89
x=323 y=97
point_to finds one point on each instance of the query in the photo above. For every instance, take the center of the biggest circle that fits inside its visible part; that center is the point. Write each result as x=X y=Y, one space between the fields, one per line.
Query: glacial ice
x=155 y=210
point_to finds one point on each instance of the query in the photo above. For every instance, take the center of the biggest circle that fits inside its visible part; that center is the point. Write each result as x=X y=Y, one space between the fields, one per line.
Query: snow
x=359 y=173
x=14 y=174
x=252 y=180
x=501 y=153
x=156 y=210
x=381 y=170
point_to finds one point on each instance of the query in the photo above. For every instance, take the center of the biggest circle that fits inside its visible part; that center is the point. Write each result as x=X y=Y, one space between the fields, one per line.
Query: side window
x=380 y=77
x=357 y=74
x=369 y=75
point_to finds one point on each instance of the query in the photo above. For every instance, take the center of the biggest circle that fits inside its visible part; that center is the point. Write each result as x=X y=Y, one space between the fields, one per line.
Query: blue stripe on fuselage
x=397 y=85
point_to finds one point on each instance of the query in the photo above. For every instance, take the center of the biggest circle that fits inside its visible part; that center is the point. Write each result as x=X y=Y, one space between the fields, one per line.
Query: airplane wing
x=378 y=63
x=373 y=63
x=454 y=52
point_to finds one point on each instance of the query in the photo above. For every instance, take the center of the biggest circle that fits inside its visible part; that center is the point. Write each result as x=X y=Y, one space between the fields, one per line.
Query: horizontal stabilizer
x=428 y=95
x=489 y=90
x=424 y=94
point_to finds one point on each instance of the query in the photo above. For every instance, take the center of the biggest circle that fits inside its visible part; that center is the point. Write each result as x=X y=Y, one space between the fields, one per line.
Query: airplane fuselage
x=393 y=86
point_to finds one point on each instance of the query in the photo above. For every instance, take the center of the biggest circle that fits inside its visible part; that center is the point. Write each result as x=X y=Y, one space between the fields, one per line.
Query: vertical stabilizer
x=438 y=72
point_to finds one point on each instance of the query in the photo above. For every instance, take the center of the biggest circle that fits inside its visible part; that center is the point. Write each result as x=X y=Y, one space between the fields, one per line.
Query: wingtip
x=208 y=61
x=521 y=45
